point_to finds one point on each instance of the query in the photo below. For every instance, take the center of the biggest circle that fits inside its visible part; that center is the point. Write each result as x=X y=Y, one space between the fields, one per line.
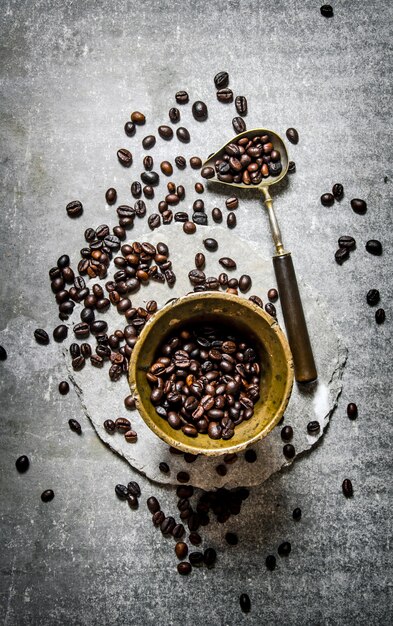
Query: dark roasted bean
x=22 y=464
x=217 y=215
x=338 y=191
x=184 y=568
x=210 y=244
x=359 y=206
x=125 y=157
x=136 y=189
x=352 y=411
x=64 y=387
x=270 y=562
x=313 y=427
x=164 y=467
x=110 y=426
x=380 y=316
x=231 y=220
x=74 y=208
x=373 y=246
x=199 y=111
x=221 y=80
x=271 y=309
x=327 y=10
x=189 y=228
x=180 y=162
x=327 y=199
x=292 y=135
x=138 y=118
x=373 y=297
x=289 y=451
x=200 y=219
x=47 y=495
x=284 y=548
x=121 y=491
x=183 y=477
x=341 y=255
x=232 y=203
x=345 y=241
x=165 y=132
x=129 y=129
x=241 y=105
x=347 y=488
x=75 y=426
x=207 y=172
x=60 y=333
x=244 y=283
x=182 y=134
x=225 y=95
x=239 y=125
x=152 y=504
x=148 y=142
x=245 y=603
x=297 y=514
x=41 y=336
x=154 y=221
x=181 y=97
x=111 y=195
x=227 y=263
x=287 y=433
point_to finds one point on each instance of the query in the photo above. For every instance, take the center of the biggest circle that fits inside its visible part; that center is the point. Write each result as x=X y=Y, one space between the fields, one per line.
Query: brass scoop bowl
x=291 y=304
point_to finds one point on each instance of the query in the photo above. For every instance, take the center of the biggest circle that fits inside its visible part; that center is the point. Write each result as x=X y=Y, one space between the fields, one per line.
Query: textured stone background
x=71 y=73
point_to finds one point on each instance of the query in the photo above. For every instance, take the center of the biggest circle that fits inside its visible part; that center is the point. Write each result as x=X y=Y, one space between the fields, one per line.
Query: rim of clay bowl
x=171 y=440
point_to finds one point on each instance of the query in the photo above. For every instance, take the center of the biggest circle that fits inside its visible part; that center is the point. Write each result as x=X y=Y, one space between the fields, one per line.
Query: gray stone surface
x=71 y=73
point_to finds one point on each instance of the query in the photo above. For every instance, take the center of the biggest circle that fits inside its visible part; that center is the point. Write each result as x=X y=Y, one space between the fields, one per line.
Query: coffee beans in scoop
x=247 y=161
x=205 y=380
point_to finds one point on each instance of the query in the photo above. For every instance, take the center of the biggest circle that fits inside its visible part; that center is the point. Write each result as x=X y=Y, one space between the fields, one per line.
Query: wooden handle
x=295 y=324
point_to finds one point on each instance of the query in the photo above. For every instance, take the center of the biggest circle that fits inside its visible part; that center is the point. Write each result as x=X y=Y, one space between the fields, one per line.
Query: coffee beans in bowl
x=211 y=373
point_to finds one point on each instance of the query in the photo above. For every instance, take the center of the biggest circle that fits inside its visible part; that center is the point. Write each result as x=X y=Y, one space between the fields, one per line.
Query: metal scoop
x=291 y=304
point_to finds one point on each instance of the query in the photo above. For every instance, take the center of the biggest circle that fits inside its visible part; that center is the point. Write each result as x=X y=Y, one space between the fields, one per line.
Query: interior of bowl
x=247 y=320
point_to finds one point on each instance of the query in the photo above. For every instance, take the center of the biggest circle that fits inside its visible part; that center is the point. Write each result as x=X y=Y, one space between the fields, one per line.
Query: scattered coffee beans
x=373 y=297
x=199 y=111
x=125 y=157
x=241 y=105
x=289 y=451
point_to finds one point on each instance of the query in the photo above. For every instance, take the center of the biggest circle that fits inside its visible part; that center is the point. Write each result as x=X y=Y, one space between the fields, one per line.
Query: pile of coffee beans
x=205 y=380
x=247 y=161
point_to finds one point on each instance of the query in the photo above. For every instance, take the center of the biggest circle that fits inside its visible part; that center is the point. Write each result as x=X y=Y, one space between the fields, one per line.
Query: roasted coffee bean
x=347 y=488
x=166 y=168
x=85 y=350
x=245 y=603
x=181 y=216
x=154 y=221
x=291 y=167
x=180 y=162
x=359 y=206
x=195 y=558
x=271 y=309
x=338 y=191
x=245 y=283
x=327 y=199
x=164 y=467
x=183 y=477
x=64 y=387
x=121 y=491
x=221 y=470
x=178 y=531
x=134 y=488
x=210 y=244
x=152 y=504
x=181 y=550
x=158 y=517
x=373 y=246
x=232 y=203
x=41 y=336
x=341 y=255
x=110 y=426
x=195 y=538
x=380 y=316
x=270 y=562
x=78 y=363
x=200 y=219
x=292 y=135
x=74 y=208
x=184 y=568
x=181 y=97
x=199 y=188
x=136 y=189
x=345 y=241
x=221 y=80
x=200 y=260
x=111 y=195
x=75 y=426
x=122 y=424
x=22 y=464
x=174 y=115
x=231 y=220
x=148 y=163
x=63 y=261
x=272 y=295
x=287 y=433
x=284 y=549
x=148 y=142
x=189 y=228
x=196 y=163
x=209 y=557
x=239 y=125
x=131 y=436
x=172 y=199
x=47 y=495
x=99 y=327
x=327 y=10
x=207 y=172
x=289 y=451
x=217 y=215
x=199 y=111
x=313 y=427
x=150 y=178
x=297 y=514
x=241 y=105
x=373 y=297
x=182 y=134
x=60 y=333
x=225 y=95
x=165 y=132
x=250 y=456
x=138 y=118
x=129 y=129
x=167 y=525
x=132 y=501
x=227 y=263
x=352 y=411
x=232 y=539
x=125 y=157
